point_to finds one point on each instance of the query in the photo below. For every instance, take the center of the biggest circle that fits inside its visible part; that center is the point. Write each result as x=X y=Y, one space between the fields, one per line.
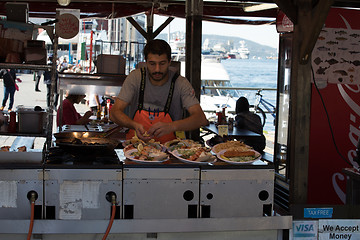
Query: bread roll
x=235 y=153
x=21 y=149
x=5 y=149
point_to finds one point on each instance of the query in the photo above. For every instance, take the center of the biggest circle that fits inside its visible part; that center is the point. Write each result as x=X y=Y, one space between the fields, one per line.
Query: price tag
x=223 y=130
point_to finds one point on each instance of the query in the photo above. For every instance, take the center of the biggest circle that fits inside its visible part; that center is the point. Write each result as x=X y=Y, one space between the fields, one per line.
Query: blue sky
x=266 y=35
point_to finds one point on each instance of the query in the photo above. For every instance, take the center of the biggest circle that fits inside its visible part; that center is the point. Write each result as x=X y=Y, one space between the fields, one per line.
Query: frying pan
x=87 y=142
x=81 y=135
x=87 y=145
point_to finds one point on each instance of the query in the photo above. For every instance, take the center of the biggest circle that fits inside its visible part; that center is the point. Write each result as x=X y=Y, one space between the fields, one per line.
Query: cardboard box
x=17 y=12
x=35 y=55
x=35 y=43
x=10 y=46
x=16 y=30
x=114 y=64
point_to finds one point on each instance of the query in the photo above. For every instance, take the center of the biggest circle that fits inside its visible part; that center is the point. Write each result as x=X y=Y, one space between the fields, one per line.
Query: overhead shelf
x=25 y=66
x=82 y=83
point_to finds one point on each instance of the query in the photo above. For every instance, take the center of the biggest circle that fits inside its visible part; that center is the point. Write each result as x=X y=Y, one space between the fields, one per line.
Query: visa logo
x=305 y=228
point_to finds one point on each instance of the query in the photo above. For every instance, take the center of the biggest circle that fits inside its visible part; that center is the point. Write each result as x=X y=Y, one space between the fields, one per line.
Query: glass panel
x=281 y=165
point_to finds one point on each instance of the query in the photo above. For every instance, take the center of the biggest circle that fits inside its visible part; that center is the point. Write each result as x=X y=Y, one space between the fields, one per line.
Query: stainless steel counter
x=149 y=225
x=169 y=202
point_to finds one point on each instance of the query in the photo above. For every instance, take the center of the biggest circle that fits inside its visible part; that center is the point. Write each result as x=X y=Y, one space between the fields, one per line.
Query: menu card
x=223 y=130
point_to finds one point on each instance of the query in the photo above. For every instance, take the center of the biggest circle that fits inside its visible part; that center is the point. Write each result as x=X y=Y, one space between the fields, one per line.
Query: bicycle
x=270 y=108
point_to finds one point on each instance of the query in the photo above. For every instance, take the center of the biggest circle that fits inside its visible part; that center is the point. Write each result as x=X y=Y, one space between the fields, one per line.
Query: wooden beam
x=138 y=27
x=159 y=29
x=306 y=31
x=315 y=19
x=300 y=89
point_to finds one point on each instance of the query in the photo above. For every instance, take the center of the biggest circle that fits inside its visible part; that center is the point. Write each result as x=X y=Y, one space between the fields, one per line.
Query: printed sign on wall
x=305 y=230
x=339 y=229
x=336 y=56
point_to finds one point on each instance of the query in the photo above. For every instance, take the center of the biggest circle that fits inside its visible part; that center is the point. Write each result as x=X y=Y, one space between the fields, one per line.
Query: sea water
x=254 y=73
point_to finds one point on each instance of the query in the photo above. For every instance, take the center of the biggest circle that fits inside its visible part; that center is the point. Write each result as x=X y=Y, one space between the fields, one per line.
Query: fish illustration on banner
x=335 y=58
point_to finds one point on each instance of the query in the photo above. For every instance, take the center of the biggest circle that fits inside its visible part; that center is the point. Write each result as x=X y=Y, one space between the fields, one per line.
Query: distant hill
x=256 y=49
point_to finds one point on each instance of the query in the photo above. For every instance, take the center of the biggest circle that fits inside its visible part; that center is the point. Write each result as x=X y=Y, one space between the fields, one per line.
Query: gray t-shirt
x=155 y=97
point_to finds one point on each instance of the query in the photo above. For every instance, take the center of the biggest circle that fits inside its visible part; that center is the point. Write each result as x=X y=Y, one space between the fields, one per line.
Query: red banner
x=326 y=182
x=283 y=23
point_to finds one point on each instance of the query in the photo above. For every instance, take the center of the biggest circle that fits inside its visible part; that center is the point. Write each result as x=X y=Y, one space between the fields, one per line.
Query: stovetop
x=59 y=156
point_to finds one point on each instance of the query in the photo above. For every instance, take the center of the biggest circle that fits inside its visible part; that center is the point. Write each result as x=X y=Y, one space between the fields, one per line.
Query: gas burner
x=57 y=155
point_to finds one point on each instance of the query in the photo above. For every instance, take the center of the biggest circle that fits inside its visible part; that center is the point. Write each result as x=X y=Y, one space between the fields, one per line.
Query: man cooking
x=156 y=97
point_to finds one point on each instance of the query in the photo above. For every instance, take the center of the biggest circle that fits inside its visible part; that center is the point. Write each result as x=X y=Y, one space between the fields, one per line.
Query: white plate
x=131 y=147
x=128 y=147
x=190 y=143
x=128 y=156
x=219 y=155
x=176 y=154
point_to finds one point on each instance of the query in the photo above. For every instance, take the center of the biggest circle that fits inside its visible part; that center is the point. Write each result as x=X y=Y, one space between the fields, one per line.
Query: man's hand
x=87 y=114
x=141 y=133
x=84 y=119
x=160 y=129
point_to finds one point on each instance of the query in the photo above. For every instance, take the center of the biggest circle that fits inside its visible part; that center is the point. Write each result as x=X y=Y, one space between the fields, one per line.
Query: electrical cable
x=31 y=220
x=113 y=210
x=328 y=120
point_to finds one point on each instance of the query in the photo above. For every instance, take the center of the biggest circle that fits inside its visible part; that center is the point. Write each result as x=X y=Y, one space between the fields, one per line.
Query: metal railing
x=240 y=88
x=255 y=89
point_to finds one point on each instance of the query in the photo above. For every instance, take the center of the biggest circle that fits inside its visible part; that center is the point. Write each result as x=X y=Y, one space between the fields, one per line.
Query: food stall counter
x=232 y=132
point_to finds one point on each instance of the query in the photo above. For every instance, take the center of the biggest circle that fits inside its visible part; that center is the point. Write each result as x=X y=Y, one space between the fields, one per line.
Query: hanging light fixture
x=64 y=3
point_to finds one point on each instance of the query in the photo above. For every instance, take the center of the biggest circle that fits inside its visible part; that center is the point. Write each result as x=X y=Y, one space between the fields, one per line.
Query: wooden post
x=309 y=22
x=194 y=10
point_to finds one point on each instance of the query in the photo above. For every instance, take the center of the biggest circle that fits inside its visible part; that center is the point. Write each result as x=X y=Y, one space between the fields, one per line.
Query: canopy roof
x=213 y=10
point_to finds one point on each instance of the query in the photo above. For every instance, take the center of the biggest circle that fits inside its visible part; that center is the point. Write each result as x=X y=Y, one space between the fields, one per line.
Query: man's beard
x=157 y=78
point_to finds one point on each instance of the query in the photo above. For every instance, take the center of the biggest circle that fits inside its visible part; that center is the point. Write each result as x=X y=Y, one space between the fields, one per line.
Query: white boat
x=214 y=100
x=213 y=74
x=241 y=53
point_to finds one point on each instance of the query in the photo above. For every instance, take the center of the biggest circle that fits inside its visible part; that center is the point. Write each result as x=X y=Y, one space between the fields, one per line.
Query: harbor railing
x=237 y=95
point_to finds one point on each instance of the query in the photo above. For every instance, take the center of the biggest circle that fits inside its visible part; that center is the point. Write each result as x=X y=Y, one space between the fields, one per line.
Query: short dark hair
x=157 y=46
x=242 y=105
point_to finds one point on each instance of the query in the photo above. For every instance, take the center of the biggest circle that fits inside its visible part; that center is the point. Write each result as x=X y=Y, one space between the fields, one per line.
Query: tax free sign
x=339 y=229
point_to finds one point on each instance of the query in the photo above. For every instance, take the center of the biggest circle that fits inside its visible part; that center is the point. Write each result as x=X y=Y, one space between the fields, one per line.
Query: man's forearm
x=121 y=119
x=190 y=123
